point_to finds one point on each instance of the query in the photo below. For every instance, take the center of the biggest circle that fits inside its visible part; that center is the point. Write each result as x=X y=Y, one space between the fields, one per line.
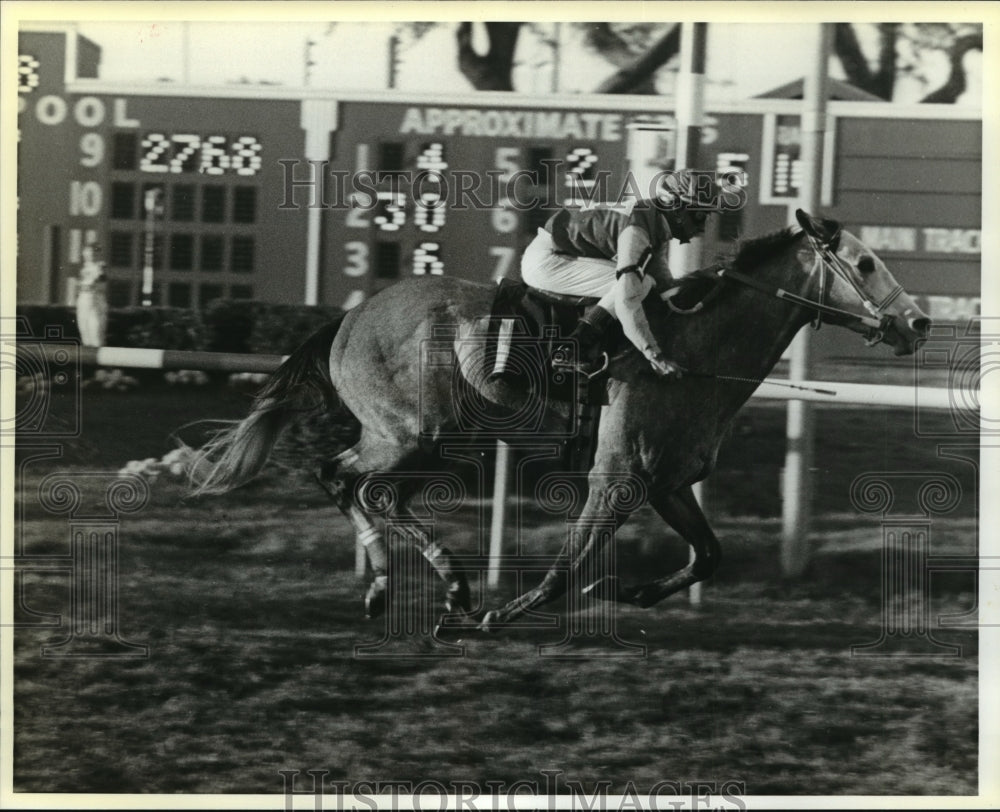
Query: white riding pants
x=544 y=268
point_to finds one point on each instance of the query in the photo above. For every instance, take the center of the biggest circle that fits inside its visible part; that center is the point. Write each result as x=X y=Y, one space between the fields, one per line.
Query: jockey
x=602 y=251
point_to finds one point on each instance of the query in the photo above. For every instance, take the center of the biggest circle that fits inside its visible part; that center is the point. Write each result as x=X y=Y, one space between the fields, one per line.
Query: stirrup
x=589 y=370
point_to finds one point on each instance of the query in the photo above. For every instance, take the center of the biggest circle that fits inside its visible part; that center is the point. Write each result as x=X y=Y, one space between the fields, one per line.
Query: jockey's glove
x=663 y=367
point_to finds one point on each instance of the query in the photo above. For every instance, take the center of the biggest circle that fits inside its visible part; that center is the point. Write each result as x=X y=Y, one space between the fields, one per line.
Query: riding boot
x=584 y=345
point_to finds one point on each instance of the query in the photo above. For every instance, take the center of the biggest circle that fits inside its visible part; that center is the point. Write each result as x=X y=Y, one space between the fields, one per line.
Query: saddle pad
x=523 y=328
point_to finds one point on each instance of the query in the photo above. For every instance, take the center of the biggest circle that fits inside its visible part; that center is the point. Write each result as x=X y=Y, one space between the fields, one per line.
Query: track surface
x=251 y=616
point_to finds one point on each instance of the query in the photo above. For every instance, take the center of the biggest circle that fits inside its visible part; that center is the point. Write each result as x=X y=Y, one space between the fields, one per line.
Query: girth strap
x=561 y=298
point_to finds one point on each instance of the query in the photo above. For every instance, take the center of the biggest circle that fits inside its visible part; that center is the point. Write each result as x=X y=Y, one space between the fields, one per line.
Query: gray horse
x=662 y=433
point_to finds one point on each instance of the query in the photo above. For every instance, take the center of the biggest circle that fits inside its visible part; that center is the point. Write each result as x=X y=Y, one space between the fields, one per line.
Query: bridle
x=826 y=262
x=873 y=326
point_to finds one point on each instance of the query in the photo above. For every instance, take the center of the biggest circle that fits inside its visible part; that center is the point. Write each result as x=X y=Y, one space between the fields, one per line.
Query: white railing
x=834 y=393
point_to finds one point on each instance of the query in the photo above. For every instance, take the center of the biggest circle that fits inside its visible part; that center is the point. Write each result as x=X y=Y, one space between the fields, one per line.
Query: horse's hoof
x=608 y=588
x=490 y=622
x=375 y=597
x=458 y=600
x=456 y=623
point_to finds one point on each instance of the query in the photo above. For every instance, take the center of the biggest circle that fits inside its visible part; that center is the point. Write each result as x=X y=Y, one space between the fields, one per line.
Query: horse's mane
x=751 y=253
x=744 y=257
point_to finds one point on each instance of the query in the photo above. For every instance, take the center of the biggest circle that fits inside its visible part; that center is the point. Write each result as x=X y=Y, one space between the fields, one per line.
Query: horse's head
x=849 y=277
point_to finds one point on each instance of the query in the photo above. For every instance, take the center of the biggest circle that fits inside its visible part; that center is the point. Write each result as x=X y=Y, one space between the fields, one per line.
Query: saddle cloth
x=525 y=326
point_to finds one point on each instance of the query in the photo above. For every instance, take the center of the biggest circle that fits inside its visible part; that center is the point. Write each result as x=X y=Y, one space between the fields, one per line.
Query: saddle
x=525 y=325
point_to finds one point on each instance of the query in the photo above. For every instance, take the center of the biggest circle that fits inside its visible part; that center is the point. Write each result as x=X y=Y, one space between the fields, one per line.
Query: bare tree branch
x=956 y=83
x=603 y=39
x=492 y=70
x=852 y=58
x=884 y=79
x=638 y=75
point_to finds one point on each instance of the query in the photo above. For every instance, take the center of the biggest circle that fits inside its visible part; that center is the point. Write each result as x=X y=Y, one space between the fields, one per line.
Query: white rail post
x=694 y=591
x=797 y=479
x=690 y=113
x=500 y=477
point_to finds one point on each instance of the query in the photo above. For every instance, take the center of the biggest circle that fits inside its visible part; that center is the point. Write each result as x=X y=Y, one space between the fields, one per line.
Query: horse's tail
x=236 y=454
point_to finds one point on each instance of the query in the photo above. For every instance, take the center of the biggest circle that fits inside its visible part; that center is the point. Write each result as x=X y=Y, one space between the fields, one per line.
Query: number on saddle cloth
x=522 y=312
x=537 y=321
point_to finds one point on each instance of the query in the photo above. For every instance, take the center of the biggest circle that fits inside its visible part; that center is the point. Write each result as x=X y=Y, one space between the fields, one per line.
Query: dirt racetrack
x=251 y=615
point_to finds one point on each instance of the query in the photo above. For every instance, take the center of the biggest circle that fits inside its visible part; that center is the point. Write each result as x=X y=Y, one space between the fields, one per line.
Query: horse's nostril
x=920 y=326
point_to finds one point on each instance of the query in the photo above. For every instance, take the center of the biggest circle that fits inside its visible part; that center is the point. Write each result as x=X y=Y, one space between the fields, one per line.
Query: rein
x=876 y=321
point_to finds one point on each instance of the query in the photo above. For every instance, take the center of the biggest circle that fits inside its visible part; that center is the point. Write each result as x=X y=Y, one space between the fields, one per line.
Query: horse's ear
x=826 y=231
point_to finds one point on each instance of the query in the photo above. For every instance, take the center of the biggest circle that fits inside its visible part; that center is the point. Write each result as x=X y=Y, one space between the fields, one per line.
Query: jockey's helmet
x=676 y=195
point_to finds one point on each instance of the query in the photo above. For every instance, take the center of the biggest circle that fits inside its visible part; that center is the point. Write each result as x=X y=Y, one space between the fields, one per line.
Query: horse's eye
x=866 y=264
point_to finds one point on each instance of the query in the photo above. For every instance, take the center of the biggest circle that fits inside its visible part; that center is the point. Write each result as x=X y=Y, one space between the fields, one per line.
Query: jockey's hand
x=665 y=368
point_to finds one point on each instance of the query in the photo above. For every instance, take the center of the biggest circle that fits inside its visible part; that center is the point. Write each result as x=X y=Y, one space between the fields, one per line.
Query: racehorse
x=666 y=433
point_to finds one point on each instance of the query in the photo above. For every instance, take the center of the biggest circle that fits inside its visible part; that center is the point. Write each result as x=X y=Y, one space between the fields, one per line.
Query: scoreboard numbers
x=85 y=198
x=208 y=155
x=357 y=258
x=27 y=73
x=186 y=148
x=427 y=259
x=427 y=189
x=507 y=161
x=392 y=211
x=580 y=173
x=430 y=206
x=92 y=148
x=505 y=219
x=431 y=158
x=505 y=259
x=246 y=155
x=214 y=158
x=356 y=215
x=430 y=212
x=154 y=148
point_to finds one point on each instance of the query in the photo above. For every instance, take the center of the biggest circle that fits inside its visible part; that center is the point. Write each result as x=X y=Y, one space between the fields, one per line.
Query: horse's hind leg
x=458 y=597
x=339 y=478
x=682 y=512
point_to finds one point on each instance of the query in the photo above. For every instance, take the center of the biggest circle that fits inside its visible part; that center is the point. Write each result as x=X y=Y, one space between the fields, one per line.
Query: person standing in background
x=92 y=299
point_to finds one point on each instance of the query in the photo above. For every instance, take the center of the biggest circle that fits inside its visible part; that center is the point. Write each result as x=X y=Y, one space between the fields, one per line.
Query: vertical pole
x=797 y=481
x=152 y=203
x=393 y=61
x=694 y=591
x=360 y=558
x=186 y=52
x=556 y=55
x=318 y=118
x=691 y=92
x=690 y=114
x=500 y=477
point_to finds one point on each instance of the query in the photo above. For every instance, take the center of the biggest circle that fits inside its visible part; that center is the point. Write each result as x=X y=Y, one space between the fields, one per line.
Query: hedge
x=225 y=326
x=262 y=327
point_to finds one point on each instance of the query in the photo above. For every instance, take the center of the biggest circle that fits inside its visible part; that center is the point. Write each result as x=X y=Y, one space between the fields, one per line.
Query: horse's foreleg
x=587 y=536
x=682 y=512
